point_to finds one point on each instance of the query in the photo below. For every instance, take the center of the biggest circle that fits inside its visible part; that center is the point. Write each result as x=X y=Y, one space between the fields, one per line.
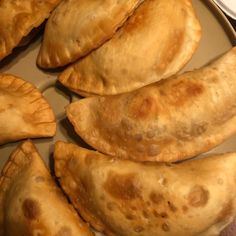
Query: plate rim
x=221 y=17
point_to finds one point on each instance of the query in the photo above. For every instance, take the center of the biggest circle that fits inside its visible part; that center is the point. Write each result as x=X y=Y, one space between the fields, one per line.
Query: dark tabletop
x=233 y=22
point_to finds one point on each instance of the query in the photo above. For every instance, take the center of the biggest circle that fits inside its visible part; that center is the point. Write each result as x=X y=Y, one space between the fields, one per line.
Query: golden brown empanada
x=30 y=201
x=121 y=197
x=18 y=18
x=78 y=26
x=154 y=43
x=167 y=121
x=24 y=113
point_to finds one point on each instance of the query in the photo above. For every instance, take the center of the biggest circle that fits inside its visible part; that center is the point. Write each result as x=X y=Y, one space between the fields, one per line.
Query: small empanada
x=78 y=26
x=121 y=197
x=18 y=18
x=30 y=201
x=168 y=121
x=24 y=113
x=154 y=43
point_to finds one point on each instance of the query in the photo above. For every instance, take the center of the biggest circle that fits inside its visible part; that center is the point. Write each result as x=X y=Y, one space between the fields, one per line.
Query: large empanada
x=167 y=121
x=78 y=26
x=30 y=201
x=24 y=113
x=18 y=18
x=125 y=198
x=154 y=43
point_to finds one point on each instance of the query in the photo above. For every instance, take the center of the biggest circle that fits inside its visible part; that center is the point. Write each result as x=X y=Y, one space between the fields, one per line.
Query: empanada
x=24 y=113
x=30 y=201
x=121 y=197
x=78 y=26
x=154 y=43
x=18 y=18
x=168 y=121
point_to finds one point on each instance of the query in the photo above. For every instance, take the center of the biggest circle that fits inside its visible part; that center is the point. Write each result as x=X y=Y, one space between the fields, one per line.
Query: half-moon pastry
x=24 y=112
x=78 y=26
x=125 y=198
x=18 y=18
x=168 y=121
x=30 y=201
x=154 y=43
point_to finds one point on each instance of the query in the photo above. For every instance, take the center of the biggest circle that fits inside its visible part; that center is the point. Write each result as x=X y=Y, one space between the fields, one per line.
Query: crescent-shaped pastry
x=168 y=121
x=78 y=26
x=125 y=198
x=24 y=112
x=18 y=18
x=154 y=43
x=30 y=201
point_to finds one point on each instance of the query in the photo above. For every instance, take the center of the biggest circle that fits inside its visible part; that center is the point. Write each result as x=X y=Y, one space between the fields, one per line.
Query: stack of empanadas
x=178 y=118
x=121 y=50
x=30 y=201
x=170 y=121
x=77 y=27
x=17 y=20
x=155 y=42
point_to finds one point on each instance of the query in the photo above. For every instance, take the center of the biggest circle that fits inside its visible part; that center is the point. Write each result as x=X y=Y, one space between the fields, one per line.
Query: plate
x=218 y=36
x=228 y=6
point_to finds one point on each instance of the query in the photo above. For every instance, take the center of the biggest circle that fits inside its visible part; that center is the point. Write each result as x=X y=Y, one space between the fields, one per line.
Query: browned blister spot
x=184 y=91
x=31 y=209
x=138 y=229
x=143 y=107
x=198 y=129
x=165 y=227
x=4 y=108
x=193 y=89
x=134 y=208
x=109 y=110
x=185 y=209
x=145 y=214
x=185 y=132
x=220 y=181
x=198 y=196
x=156 y=214
x=172 y=46
x=129 y=216
x=165 y=182
x=40 y=179
x=164 y=215
x=172 y=207
x=64 y=231
x=137 y=20
x=124 y=187
x=153 y=150
x=156 y=198
x=225 y=212
x=126 y=124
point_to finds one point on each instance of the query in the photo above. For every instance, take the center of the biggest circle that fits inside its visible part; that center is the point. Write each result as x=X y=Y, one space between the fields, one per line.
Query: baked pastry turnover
x=154 y=43
x=78 y=26
x=24 y=112
x=121 y=197
x=30 y=201
x=168 y=121
x=18 y=18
